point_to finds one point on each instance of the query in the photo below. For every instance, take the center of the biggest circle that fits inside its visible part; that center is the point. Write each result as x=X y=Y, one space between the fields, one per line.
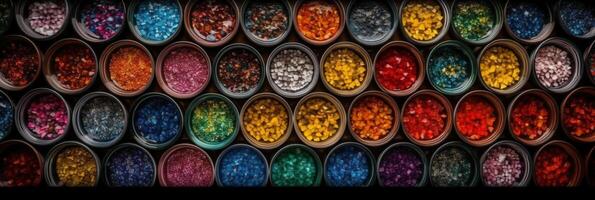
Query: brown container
x=500 y=118
x=160 y=75
x=441 y=33
x=296 y=9
x=361 y=52
x=395 y=123
x=4 y=84
x=523 y=59
x=104 y=65
x=581 y=91
x=161 y=170
x=49 y=70
x=334 y=138
x=262 y=144
x=421 y=69
x=190 y=30
x=444 y=101
x=577 y=174
x=553 y=122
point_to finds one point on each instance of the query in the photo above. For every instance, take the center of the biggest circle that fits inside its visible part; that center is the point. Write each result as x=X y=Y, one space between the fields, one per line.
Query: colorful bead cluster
x=344 y=69
x=500 y=68
x=266 y=120
x=267 y=20
x=76 y=166
x=530 y=118
x=102 y=119
x=19 y=62
x=130 y=68
x=503 y=166
x=157 y=20
x=370 y=20
x=579 y=116
x=47 y=117
x=292 y=70
x=553 y=66
x=449 y=67
x=318 y=119
x=6 y=116
x=526 y=19
x=476 y=118
x=396 y=69
x=242 y=167
x=400 y=167
x=103 y=18
x=422 y=19
x=212 y=121
x=371 y=118
x=20 y=167
x=239 y=70
x=188 y=167
x=157 y=120
x=473 y=20
x=348 y=166
x=578 y=17
x=74 y=66
x=318 y=20
x=213 y=20
x=424 y=118
x=185 y=70
x=294 y=167
x=553 y=167
x=451 y=167
x=46 y=17
x=130 y=167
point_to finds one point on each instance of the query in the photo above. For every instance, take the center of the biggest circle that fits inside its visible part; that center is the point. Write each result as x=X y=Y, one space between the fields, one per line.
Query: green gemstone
x=294 y=167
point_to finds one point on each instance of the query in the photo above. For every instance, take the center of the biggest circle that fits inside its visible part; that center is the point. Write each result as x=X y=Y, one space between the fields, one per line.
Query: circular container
x=161 y=168
x=51 y=177
x=188 y=121
x=161 y=76
x=21 y=12
x=472 y=157
x=10 y=16
x=6 y=146
x=332 y=139
x=21 y=115
x=133 y=29
x=468 y=83
x=195 y=36
x=378 y=41
x=296 y=9
x=523 y=153
x=313 y=58
x=586 y=36
x=395 y=123
x=411 y=147
x=588 y=62
x=581 y=91
x=359 y=146
x=523 y=59
x=361 y=52
x=262 y=144
x=49 y=70
x=577 y=71
x=497 y=26
x=575 y=180
x=589 y=166
x=441 y=33
x=553 y=122
x=421 y=69
x=77 y=124
x=11 y=127
x=104 y=68
x=260 y=41
x=448 y=125
x=119 y=147
x=5 y=84
x=138 y=136
x=222 y=88
x=305 y=148
x=85 y=33
x=499 y=124
x=236 y=146
x=546 y=30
